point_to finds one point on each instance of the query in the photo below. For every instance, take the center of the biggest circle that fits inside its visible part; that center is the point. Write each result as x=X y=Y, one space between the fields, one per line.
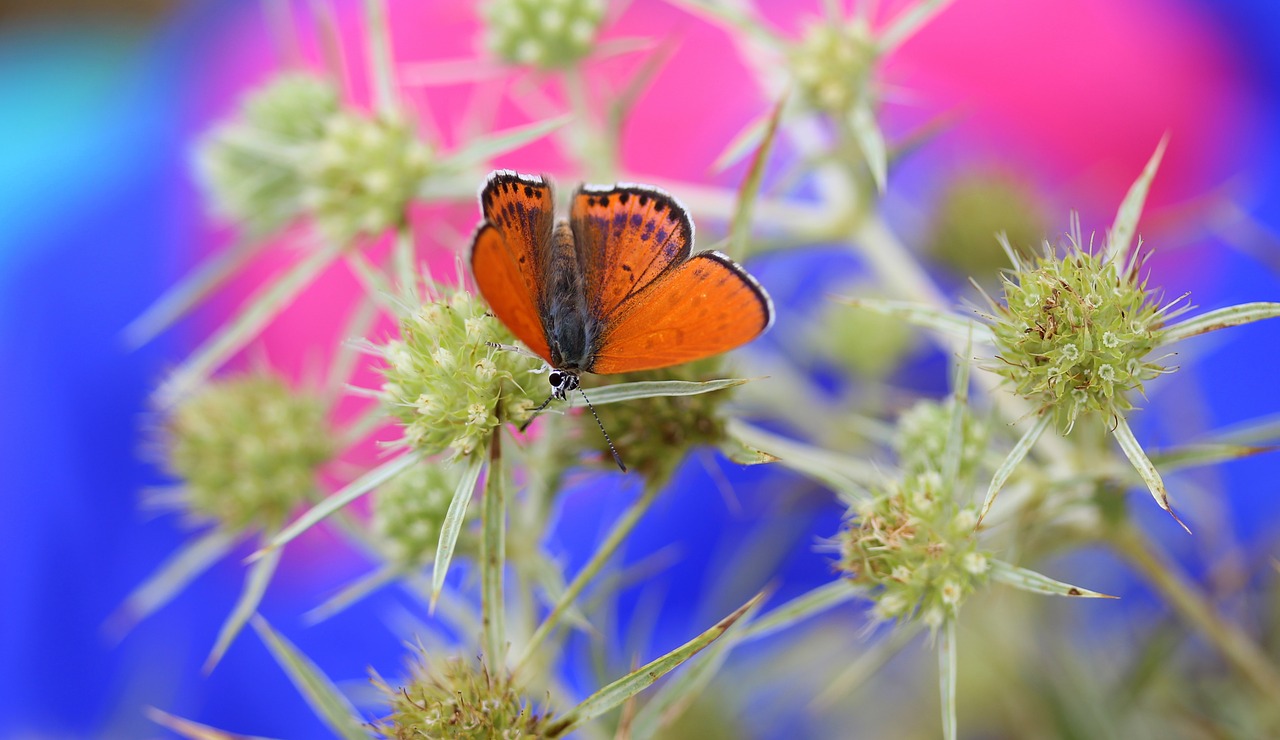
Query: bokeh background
x=100 y=107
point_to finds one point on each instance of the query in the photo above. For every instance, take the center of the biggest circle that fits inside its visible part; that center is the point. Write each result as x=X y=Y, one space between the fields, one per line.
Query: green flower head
x=832 y=63
x=409 y=510
x=972 y=210
x=547 y=34
x=247 y=450
x=361 y=175
x=445 y=382
x=914 y=550
x=921 y=438
x=458 y=698
x=251 y=165
x=1074 y=333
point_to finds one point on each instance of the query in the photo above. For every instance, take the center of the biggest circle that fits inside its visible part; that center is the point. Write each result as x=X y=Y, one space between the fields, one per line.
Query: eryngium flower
x=247 y=450
x=447 y=385
x=458 y=698
x=831 y=64
x=922 y=433
x=409 y=510
x=547 y=34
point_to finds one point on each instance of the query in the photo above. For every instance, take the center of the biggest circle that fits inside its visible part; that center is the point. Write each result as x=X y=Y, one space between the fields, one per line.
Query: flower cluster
x=922 y=433
x=547 y=34
x=409 y=510
x=458 y=698
x=973 y=208
x=362 y=174
x=914 y=550
x=247 y=450
x=445 y=382
x=250 y=165
x=831 y=64
x=1074 y=333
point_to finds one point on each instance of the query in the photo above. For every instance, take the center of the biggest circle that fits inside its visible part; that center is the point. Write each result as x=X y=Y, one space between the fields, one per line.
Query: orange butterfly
x=613 y=289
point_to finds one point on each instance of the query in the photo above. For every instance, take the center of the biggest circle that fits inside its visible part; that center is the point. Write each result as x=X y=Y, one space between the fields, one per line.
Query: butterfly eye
x=555 y=379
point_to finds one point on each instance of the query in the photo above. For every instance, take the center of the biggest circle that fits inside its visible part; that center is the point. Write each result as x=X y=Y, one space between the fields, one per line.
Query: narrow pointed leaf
x=740 y=226
x=846 y=475
x=480 y=151
x=352 y=491
x=866 y=132
x=868 y=663
x=192 y=730
x=907 y=23
x=255 y=585
x=954 y=454
x=801 y=608
x=927 y=317
x=743 y=453
x=382 y=78
x=743 y=143
x=652 y=388
x=643 y=677
x=352 y=593
x=1011 y=462
x=325 y=698
x=1029 y=580
x=262 y=308
x=1221 y=318
x=190 y=290
x=732 y=18
x=406 y=269
x=1191 y=456
x=1138 y=457
x=181 y=568
x=1125 y=226
x=452 y=526
x=947 y=678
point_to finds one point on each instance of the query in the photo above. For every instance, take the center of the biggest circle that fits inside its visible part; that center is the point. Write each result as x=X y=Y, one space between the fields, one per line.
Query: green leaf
x=255 y=585
x=740 y=225
x=1221 y=318
x=190 y=290
x=1120 y=239
x=181 y=568
x=907 y=23
x=479 y=151
x=947 y=662
x=743 y=142
x=352 y=491
x=1011 y=462
x=452 y=526
x=406 y=270
x=653 y=388
x=928 y=317
x=1029 y=580
x=353 y=592
x=867 y=134
x=954 y=453
x=263 y=307
x=1198 y=455
x=1133 y=450
x=846 y=475
x=733 y=18
x=315 y=687
x=643 y=677
x=801 y=608
x=382 y=79
x=743 y=453
x=193 y=730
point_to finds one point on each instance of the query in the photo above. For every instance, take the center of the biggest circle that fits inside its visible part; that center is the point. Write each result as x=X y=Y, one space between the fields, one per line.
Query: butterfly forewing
x=509 y=249
x=627 y=236
x=702 y=307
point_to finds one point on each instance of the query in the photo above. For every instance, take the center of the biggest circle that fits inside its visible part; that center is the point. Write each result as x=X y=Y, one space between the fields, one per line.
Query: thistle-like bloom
x=247 y=450
x=832 y=63
x=547 y=34
x=409 y=511
x=914 y=550
x=922 y=434
x=250 y=165
x=458 y=698
x=362 y=173
x=448 y=385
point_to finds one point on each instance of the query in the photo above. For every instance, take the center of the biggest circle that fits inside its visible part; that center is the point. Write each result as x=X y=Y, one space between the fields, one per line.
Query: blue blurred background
x=98 y=214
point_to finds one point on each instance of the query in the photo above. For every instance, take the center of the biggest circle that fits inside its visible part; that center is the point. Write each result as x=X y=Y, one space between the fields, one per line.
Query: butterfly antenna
x=616 y=457
x=535 y=413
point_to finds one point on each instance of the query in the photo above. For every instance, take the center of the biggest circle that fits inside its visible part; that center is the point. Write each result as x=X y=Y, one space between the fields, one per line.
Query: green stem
x=1193 y=606
x=493 y=557
x=621 y=530
x=588 y=138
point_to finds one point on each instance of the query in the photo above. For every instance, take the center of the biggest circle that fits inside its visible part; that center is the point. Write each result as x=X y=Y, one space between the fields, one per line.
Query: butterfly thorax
x=568 y=325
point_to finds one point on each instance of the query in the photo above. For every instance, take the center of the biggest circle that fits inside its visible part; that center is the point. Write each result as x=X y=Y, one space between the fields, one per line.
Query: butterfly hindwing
x=701 y=307
x=628 y=236
x=509 y=250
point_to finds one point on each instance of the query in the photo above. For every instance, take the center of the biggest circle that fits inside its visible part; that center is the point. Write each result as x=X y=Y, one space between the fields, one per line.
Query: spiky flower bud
x=652 y=434
x=972 y=210
x=247 y=450
x=251 y=166
x=922 y=433
x=1074 y=333
x=360 y=177
x=547 y=34
x=409 y=510
x=458 y=698
x=914 y=549
x=447 y=386
x=831 y=64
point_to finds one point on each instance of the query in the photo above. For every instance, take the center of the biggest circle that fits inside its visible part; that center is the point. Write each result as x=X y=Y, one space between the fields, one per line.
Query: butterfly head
x=562 y=383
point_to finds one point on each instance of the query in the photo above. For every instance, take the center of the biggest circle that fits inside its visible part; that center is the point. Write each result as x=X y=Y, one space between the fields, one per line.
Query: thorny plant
x=1064 y=346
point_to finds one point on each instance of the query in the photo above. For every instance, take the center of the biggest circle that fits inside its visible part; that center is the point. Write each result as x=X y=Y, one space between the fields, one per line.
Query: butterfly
x=611 y=289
